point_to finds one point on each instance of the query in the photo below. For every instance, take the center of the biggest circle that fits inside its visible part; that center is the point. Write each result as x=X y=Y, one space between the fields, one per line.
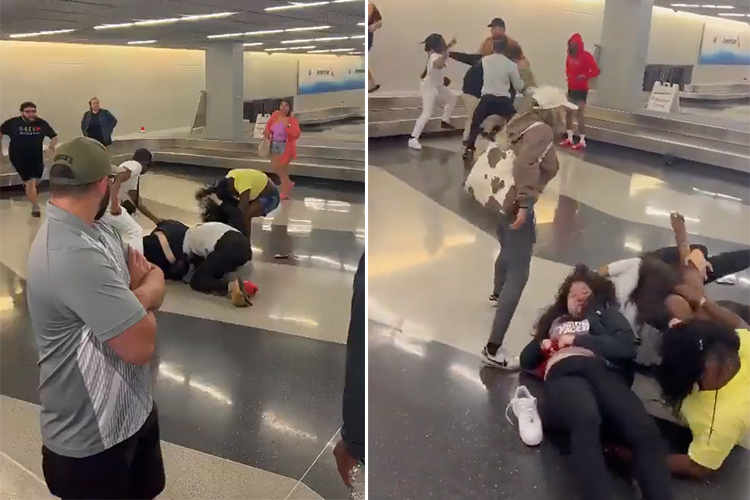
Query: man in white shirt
x=125 y=194
x=205 y=256
x=499 y=74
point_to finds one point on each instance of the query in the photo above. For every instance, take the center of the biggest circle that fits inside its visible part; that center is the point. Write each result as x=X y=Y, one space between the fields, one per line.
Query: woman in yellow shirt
x=238 y=198
x=705 y=376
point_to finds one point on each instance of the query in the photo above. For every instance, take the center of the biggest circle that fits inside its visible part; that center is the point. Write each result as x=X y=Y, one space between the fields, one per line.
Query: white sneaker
x=414 y=143
x=529 y=423
x=501 y=359
x=730 y=280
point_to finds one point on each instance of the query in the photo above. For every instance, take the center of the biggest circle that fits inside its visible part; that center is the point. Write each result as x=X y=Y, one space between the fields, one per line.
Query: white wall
x=144 y=87
x=541 y=26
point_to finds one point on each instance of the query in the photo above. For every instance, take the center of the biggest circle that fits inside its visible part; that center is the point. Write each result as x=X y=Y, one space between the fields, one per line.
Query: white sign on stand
x=260 y=125
x=664 y=98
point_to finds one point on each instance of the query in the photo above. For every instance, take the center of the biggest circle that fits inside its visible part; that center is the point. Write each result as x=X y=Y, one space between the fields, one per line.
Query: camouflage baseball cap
x=88 y=160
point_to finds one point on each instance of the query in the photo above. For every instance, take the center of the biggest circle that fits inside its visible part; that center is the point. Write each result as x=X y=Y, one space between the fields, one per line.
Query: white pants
x=432 y=96
x=130 y=231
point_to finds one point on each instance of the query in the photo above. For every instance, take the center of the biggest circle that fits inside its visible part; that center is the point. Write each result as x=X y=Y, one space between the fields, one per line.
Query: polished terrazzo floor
x=249 y=399
x=437 y=425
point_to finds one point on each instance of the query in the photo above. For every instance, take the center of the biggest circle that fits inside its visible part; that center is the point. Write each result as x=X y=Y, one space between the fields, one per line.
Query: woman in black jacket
x=584 y=349
x=98 y=123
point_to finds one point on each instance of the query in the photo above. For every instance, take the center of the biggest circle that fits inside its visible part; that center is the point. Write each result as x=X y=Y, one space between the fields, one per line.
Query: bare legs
x=30 y=187
x=281 y=169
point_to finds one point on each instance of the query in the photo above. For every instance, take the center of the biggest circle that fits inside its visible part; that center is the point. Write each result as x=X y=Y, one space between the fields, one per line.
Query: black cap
x=497 y=22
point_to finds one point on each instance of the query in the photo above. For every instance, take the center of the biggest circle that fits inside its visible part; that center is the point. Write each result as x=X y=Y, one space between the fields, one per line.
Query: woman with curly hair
x=584 y=350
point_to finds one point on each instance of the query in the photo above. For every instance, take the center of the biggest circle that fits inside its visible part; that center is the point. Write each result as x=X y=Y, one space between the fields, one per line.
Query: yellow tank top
x=248 y=180
x=720 y=420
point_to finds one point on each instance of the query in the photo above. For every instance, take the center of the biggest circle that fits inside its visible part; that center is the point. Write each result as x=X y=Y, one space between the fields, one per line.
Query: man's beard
x=103 y=204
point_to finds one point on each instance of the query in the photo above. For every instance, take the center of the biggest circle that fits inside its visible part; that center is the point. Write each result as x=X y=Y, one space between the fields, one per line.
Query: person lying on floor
x=584 y=350
x=205 y=256
x=238 y=198
x=647 y=286
x=704 y=376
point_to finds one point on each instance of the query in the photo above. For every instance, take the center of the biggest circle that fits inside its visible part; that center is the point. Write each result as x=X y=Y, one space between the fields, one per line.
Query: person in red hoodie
x=580 y=67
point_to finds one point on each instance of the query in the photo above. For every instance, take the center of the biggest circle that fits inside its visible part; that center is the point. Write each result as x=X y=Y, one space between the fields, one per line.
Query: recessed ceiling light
x=169 y=20
x=331 y=38
x=360 y=24
x=295 y=5
x=141 y=42
x=342 y=50
x=310 y=28
x=322 y=51
x=297 y=41
x=40 y=33
x=724 y=7
x=252 y=44
x=262 y=32
x=201 y=17
x=345 y=1
x=728 y=14
x=356 y=36
x=227 y=35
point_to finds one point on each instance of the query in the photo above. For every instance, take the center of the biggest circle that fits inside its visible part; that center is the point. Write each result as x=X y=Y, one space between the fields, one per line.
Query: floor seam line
x=23 y=468
x=313 y=463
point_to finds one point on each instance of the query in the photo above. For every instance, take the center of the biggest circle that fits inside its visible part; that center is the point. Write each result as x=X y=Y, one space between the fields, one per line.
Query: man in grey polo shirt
x=91 y=300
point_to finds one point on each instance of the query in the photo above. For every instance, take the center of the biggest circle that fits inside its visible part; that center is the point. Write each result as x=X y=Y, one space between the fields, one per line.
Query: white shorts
x=130 y=231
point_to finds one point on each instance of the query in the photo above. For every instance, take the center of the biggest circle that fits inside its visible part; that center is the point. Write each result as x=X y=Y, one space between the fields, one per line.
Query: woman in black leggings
x=584 y=350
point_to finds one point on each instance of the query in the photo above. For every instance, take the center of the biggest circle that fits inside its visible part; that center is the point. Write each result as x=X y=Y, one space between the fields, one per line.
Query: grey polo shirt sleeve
x=91 y=287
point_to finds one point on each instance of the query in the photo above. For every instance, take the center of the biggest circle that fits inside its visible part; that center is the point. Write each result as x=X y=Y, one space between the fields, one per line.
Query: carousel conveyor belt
x=719 y=143
x=331 y=160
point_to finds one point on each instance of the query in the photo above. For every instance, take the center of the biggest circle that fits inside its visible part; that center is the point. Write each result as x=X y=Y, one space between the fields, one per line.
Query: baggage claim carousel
x=321 y=155
x=696 y=138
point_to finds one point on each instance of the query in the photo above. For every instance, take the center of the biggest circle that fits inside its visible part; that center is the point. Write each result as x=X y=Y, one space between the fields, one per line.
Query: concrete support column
x=224 y=91
x=626 y=30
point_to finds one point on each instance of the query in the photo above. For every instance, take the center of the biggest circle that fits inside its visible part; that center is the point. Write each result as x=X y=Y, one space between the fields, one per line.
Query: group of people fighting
x=92 y=298
x=204 y=255
x=649 y=314
x=498 y=72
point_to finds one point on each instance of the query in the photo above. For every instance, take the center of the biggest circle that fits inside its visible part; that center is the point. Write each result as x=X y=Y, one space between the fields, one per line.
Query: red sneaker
x=566 y=143
x=579 y=145
x=250 y=288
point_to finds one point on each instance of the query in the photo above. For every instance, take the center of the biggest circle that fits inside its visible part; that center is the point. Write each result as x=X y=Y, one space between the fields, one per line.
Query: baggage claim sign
x=318 y=75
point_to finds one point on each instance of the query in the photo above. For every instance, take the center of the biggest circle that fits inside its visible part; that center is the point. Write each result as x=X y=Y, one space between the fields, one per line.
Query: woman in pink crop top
x=283 y=131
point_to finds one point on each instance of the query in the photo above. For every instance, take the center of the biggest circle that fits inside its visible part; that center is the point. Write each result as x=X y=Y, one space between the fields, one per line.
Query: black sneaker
x=446 y=126
x=468 y=154
x=35 y=212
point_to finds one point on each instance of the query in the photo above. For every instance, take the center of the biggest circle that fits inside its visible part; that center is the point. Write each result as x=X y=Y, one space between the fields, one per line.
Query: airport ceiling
x=737 y=10
x=335 y=26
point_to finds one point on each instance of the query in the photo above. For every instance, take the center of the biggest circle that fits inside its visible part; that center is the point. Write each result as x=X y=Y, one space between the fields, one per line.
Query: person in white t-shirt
x=433 y=88
x=207 y=256
x=125 y=195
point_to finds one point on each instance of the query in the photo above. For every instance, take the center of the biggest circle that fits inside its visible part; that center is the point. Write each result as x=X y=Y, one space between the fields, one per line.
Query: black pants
x=488 y=105
x=580 y=394
x=231 y=251
x=723 y=264
x=229 y=211
x=132 y=469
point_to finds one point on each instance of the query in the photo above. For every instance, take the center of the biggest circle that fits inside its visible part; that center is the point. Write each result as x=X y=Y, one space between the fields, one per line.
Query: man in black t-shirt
x=27 y=133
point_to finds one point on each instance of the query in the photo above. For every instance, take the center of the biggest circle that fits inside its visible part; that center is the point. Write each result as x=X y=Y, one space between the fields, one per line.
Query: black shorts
x=578 y=96
x=131 y=469
x=28 y=169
